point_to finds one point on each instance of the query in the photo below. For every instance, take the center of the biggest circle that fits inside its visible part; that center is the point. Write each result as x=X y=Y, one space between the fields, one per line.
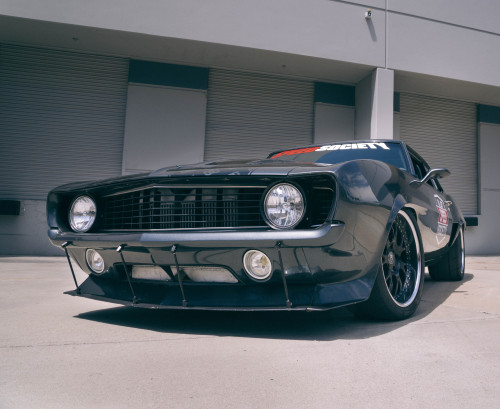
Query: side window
x=418 y=166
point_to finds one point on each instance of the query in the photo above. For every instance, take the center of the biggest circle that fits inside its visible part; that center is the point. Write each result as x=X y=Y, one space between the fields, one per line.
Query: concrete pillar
x=375 y=105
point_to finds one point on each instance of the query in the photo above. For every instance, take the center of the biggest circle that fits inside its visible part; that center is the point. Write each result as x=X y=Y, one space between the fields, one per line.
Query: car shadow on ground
x=340 y=323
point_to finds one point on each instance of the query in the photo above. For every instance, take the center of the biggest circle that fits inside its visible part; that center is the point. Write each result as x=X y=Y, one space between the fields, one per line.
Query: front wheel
x=398 y=287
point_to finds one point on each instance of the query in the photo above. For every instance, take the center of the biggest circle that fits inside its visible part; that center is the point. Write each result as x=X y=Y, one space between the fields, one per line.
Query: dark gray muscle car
x=309 y=228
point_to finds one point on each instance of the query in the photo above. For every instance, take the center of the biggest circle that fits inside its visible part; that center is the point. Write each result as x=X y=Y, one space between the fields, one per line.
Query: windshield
x=388 y=152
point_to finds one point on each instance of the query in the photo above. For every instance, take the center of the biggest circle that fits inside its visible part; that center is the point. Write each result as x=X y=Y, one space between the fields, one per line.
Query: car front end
x=260 y=237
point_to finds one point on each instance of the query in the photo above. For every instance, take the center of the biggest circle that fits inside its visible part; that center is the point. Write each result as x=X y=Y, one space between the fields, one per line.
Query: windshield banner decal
x=343 y=146
x=295 y=152
x=370 y=145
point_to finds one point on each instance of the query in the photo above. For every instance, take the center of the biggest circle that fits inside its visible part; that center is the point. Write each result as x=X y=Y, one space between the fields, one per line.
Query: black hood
x=241 y=167
x=260 y=167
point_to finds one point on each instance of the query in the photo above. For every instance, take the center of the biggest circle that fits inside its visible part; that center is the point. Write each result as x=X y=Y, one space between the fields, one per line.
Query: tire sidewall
x=382 y=303
x=458 y=255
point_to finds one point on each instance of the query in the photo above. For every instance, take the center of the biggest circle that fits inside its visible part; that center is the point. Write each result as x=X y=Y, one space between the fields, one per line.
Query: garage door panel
x=250 y=115
x=444 y=132
x=62 y=117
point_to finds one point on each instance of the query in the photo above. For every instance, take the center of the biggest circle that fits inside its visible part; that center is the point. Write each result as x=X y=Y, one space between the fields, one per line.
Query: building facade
x=103 y=88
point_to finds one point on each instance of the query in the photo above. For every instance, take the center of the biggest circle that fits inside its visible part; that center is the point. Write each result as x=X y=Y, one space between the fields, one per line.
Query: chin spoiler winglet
x=119 y=250
x=173 y=250
x=285 y=286
x=64 y=246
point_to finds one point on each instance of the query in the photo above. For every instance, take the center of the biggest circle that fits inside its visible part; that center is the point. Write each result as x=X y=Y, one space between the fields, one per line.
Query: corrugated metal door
x=61 y=118
x=250 y=115
x=444 y=132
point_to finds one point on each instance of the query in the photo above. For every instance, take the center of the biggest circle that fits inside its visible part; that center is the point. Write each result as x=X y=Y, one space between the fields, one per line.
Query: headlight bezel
x=93 y=214
x=264 y=211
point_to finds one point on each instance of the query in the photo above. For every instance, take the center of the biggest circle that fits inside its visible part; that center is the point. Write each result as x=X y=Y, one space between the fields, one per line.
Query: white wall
x=163 y=127
x=333 y=123
x=374 y=106
x=317 y=28
x=478 y=14
x=456 y=39
x=26 y=234
x=431 y=47
x=485 y=238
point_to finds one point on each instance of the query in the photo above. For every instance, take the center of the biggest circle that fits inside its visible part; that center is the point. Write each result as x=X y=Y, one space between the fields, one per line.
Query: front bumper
x=325 y=235
x=310 y=268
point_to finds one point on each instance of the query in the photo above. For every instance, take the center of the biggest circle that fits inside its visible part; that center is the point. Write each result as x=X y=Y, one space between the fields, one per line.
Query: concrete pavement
x=58 y=351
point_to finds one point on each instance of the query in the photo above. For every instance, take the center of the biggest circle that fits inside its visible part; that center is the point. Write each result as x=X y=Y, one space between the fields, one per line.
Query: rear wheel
x=452 y=266
x=398 y=287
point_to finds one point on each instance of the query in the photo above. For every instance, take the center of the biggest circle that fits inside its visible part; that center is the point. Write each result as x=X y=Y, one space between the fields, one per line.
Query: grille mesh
x=183 y=208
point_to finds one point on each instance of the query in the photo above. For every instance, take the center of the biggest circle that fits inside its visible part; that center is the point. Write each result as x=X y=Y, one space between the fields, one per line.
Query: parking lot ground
x=58 y=351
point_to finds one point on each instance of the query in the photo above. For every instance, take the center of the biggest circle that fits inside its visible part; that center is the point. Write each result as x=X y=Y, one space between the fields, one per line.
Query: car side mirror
x=437 y=173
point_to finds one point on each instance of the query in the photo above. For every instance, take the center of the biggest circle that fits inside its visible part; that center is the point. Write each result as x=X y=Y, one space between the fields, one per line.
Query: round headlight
x=82 y=214
x=94 y=261
x=284 y=206
x=257 y=265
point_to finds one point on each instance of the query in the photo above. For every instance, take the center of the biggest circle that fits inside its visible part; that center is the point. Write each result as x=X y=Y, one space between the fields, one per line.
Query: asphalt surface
x=58 y=351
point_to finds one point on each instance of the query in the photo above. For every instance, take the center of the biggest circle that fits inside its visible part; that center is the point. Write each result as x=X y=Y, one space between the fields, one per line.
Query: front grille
x=164 y=208
x=320 y=204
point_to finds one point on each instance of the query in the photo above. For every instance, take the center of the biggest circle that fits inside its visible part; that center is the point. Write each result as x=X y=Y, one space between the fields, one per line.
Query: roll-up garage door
x=444 y=132
x=61 y=118
x=250 y=115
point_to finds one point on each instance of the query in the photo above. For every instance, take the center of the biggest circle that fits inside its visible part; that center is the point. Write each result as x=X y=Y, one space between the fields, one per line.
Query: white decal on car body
x=442 y=222
x=344 y=146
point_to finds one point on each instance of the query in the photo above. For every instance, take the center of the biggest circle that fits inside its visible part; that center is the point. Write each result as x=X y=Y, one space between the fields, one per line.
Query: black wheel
x=452 y=266
x=398 y=287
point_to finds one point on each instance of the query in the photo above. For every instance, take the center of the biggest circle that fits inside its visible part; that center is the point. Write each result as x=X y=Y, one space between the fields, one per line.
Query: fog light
x=257 y=265
x=95 y=261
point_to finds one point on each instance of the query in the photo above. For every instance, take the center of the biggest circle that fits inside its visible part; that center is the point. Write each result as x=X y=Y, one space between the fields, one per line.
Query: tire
x=452 y=266
x=398 y=287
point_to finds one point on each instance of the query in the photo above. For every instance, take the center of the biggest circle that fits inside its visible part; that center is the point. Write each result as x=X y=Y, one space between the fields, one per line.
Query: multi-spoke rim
x=401 y=261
